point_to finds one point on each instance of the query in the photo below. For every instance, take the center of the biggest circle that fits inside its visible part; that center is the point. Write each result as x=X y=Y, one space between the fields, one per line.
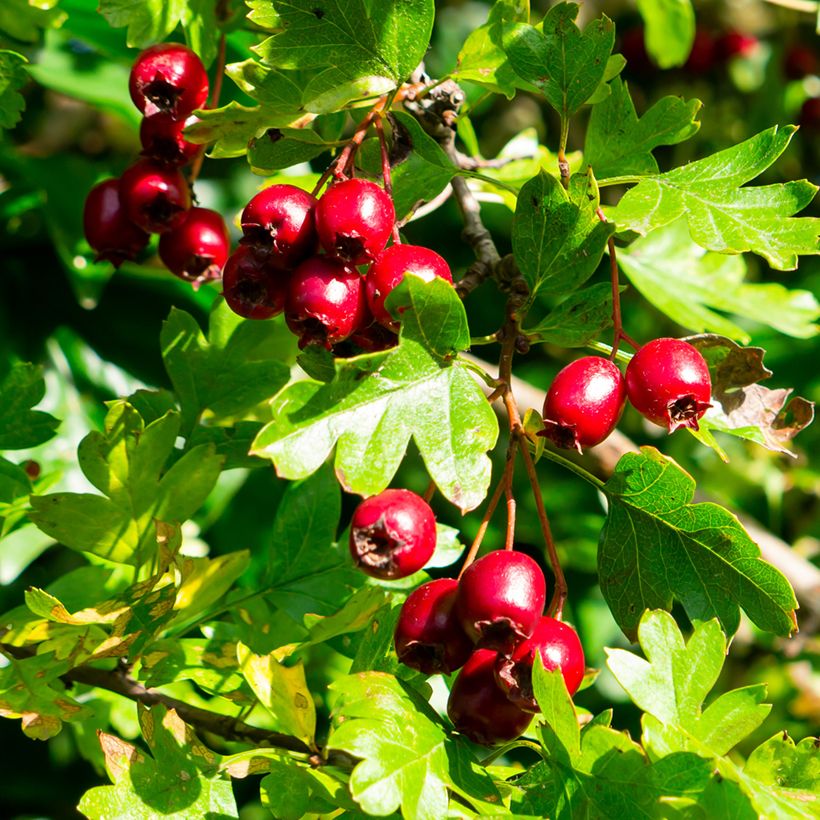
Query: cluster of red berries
x=489 y=624
x=168 y=83
x=667 y=381
x=301 y=255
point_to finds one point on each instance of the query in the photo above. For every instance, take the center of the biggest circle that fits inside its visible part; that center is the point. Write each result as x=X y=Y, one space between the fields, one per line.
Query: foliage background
x=97 y=336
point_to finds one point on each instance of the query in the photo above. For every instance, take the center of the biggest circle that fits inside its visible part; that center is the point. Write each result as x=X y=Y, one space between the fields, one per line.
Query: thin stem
x=430 y=491
x=490 y=339
x=491 y=181
x=808 y=6
x=485 y=522
x=629 y=179
x=213 y=102
x=508 y=491
x=563 y=163
x=550 y=455
x=388 y=183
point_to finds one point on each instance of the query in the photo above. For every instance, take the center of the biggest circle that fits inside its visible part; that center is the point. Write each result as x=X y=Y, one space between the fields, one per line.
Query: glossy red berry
x=251 y=288
x=668 y=382
x=428 y=636
x=325 y=302
x=584 y=403
x=279 y=221
x=107 y=228
x=479 y=708
x=559 y=647
x=162 y=139
x=198 y=249
x=392 y=534
x=354 y=219
x=168 y=77
x=156 y=197
x=500 y=599
x=389 y=269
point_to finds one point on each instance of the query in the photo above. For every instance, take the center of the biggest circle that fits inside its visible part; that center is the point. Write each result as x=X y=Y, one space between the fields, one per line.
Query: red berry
x=156 y=197
x=559 y=647
x=500 y=599
x=162 y=139
x=428 y=636
x=668 y=381
x=479 y=708
x=374 y=337
x=198 y=248
x=279 y=220
x=801 y=61
x=168 y=77
x=325 y=302
x=735 y=44
x=354 y=219
x=251 y=288
x=584 y=403
x=392 y=534
x=107 y=228
x=389 y=269
x=702 y=56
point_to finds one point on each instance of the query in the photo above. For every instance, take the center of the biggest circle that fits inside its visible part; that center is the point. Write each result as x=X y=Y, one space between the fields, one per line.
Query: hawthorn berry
x=198 y=249
x=668 y=382
x=168 y=77
x=584 y=402
x=162 y=139
x=279 y=221
x=428 y=636
x=251 y=288
x=734 y=43
x=107 y=228
x=500 y=599
x=479 y=708
x=559 y=647
x=392 y=534
x=325 y=302
x=389 y=269
x=156 y=197
x=354 y=219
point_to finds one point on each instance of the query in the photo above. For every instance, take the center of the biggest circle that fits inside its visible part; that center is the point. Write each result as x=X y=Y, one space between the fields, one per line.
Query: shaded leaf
x=670 y=30
x=12 y=78
x=377 y=402
x=20 y=427
x=619 y=144
x=282 y=147
x=581 y=317
x=657 y=547
x=723 y=216
x=25 y=21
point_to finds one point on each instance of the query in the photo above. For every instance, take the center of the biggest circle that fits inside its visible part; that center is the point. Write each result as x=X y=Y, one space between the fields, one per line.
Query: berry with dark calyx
x=428 y=636
x=354 y=219
x=479 y=708
x=325 y=302
x=392 y=534
x=107 y=228
x=168 y=77
x=389 y=269
x=251 y=288
x=500 y=599
x=162 y=139
x=668 y=382
x=156 y=197
x=583 y=403
x=559 y=647
x=279 y=221
x=198 y=249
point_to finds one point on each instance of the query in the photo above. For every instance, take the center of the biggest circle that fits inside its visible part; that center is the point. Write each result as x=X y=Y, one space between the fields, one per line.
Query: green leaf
x=291 y=791
x=203 y=581
x=619 y=144
x=670 y=30
x=377 y=402
x=31 y=689
x=228 y=374
x=20 y=427
x=581 y=317
x=657 y=547
x=482 y=58
x=351 y=48
x=407 y=759
x=282 y=690
x=149 y=22
x=705 y=282
x=562 y=62
x=12 y=78
x=558 y=239
x=200 y=24
x=563 y=740
x=127 y=462
x=282 y=147
x=674 y=680
x=180 y=779
x=24 y=21
x=722 y=215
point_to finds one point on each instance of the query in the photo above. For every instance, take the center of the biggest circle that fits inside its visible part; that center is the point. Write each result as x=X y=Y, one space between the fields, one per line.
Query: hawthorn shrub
x=279 y=347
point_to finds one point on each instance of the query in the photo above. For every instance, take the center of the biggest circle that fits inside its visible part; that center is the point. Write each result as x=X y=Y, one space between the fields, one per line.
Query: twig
x=216 y=90
x=485 y=522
